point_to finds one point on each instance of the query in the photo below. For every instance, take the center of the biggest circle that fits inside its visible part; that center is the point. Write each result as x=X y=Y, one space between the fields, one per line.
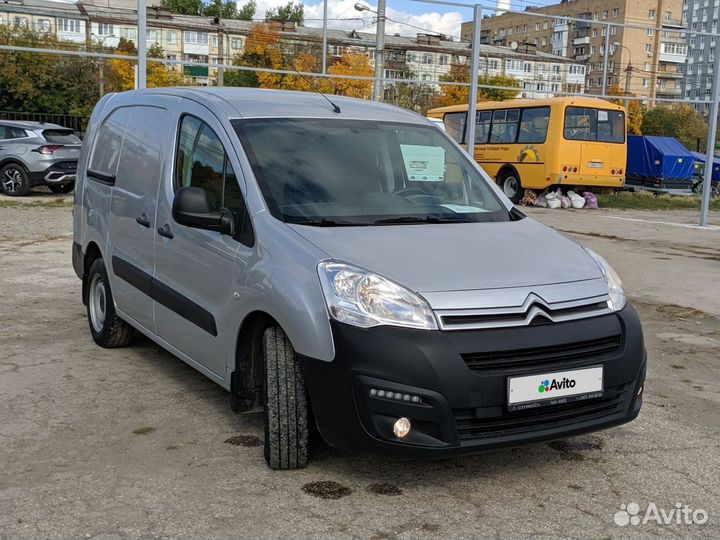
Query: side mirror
x=192 y=209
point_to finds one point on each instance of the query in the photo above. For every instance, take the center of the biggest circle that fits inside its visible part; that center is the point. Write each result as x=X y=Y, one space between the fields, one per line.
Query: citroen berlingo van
x=345 y=267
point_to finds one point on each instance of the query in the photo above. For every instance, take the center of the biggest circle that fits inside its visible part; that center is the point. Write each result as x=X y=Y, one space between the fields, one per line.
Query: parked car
x=345 y=266
x=36 y=154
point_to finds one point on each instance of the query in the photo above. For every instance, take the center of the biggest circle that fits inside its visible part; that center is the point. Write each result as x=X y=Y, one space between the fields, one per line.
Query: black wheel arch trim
x=165 y=295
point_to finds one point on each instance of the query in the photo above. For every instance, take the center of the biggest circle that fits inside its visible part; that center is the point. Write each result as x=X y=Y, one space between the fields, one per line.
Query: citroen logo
x=537 y=312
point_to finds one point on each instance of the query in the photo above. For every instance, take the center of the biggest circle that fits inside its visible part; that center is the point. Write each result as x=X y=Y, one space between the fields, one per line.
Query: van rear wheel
x=286 y=408
x=107 y=329
x=509 y=182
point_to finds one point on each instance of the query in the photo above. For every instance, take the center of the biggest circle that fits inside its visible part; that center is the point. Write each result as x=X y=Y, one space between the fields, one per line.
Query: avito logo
x=548 y=385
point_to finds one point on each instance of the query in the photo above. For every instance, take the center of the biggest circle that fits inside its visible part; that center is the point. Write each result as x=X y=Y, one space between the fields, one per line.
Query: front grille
x=566 y=354
x=552 y=416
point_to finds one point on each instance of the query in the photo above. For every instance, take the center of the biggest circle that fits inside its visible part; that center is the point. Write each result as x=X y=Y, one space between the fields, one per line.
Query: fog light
x=402 y=427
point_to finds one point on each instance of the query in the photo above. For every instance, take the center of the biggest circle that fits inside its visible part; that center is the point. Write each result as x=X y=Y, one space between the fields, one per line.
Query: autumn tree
x=492 y=88
x=634 y=115
x=679 y=121
x=351 y=63
x=45 y=83
x=413 y=96
x=121 y=73
x=305 y=63
x=263 y=50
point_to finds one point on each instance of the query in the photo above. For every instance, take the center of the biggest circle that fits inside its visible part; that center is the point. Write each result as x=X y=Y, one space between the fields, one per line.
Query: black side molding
x=107 y=179
x=167 y=296
x=78 y=260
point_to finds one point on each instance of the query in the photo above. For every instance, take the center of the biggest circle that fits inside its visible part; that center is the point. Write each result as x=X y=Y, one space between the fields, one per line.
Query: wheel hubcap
x=12 y=180
x=97 y=302
x=510 y=186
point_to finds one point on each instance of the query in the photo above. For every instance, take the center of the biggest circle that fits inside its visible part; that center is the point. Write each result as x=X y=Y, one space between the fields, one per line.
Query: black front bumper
x=453 y=384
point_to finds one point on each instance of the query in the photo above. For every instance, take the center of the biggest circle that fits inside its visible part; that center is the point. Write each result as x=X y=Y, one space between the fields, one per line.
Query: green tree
x=224 y=9
x=247 y=12
x=290 y=12
x=679 y=121
x=498 y=94
x=183 y=7
x=413 y=96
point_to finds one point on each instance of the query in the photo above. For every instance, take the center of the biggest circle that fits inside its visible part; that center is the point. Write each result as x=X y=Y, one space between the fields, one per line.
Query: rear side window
x=482 y=126
x=108 y=142
x=203 y=162
x=61 y=136
x=455 y=125
x=587 y=124
x=534 y=125
x=142 y=152
x=12 y=132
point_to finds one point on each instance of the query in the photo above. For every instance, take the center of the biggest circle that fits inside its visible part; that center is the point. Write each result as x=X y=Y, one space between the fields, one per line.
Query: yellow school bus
x=537 y=143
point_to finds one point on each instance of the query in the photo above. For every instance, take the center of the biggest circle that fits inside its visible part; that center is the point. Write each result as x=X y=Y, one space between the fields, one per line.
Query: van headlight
x=361 y=298
x=614 y=283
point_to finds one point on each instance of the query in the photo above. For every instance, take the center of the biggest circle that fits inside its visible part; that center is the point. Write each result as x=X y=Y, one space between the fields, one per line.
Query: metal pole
x=324 y=45
x=628 y=78
x=605 y=59
x=221 y=58
x=142 y=44
x=474 y=68
x=379 y=51
x=710 y=151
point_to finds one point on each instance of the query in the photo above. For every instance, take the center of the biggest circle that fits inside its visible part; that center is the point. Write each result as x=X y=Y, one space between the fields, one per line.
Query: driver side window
x=203 y=162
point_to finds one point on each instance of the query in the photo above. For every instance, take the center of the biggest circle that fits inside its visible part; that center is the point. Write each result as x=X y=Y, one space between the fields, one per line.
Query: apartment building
x=204 y=40
x=653 y=57
x=700 y=15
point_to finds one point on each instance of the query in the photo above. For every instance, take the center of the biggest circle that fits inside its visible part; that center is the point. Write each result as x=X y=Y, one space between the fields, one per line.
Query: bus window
x=482 y=127
x=455 y=125
x=585 y=124
x=534 y=125
x=504 y=126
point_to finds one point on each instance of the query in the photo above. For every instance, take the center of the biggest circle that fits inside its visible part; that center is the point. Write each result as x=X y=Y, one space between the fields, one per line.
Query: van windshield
x=360 y=172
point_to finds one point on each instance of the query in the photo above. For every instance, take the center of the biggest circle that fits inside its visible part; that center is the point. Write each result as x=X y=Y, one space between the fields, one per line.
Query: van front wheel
x=286 y=409
x=509 y=182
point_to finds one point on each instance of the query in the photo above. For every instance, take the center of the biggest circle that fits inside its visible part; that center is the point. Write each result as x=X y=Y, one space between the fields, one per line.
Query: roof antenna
x=336 y=109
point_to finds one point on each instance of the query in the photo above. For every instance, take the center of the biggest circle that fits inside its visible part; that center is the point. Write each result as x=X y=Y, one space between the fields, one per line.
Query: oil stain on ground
x=248 y=441
x=384 y=489
x=326 y=489
x=576 y=449
x=143 y=430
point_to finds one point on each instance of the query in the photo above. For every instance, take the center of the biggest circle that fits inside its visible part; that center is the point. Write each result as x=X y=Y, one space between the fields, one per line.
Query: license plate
x=595 y=164
x=554 y=388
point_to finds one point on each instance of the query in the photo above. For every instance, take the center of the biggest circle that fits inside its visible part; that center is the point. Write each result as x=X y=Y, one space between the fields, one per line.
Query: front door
x=195 y=269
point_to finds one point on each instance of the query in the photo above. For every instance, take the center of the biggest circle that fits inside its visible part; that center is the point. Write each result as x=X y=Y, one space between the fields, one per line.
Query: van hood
x=458 y=256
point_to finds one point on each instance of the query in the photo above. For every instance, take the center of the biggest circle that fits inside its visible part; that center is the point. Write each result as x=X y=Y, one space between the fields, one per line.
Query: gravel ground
x=132 y=443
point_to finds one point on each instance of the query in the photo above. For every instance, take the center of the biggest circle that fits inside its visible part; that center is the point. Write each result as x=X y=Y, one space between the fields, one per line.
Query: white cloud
x=343 y=16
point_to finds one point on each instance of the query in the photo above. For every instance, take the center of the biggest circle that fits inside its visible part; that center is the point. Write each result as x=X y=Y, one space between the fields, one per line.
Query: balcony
x=581 y=40
x=670 y=92
x=665 y=74
x=673 y=24
x=582 y=57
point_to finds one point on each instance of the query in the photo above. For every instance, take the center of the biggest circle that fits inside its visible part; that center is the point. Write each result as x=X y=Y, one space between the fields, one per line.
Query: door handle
x=143 y=220
x=165 y=231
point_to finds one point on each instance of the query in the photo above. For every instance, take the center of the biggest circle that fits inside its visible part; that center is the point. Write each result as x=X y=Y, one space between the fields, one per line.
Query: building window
x=650 y=32
x=545 y=25
x=648 y=48
x=644 y=83
x=613 y=30
x=651 y=14
x=594 y=32
x=171 y=37
x=427 y=59
x=537 y=26
x=236 y=43
x=605 y=14
x=544 y=41
x=615 y=13
x=105 y=29
x=442 y=60
x=528 y=67
x=21 y=22
x=426 y=77
x=196 y=38
x=668 y=16
x=603 y=31
x=41 y=25
x=128 y=33
x=69 y=25
x=592 y=49
x=646 y=66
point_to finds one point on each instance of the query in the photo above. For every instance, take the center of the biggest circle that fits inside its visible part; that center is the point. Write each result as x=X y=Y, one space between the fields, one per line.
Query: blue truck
x=659 y=164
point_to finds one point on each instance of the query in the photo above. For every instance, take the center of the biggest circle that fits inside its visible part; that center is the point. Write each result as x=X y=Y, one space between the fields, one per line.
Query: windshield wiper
x=409 y=220
x=325 y=222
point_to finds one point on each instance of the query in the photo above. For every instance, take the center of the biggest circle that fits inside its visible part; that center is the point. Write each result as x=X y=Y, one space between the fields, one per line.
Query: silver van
x=345 y=267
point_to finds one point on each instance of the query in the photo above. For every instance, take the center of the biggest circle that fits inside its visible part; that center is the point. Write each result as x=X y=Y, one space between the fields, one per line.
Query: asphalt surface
x=132 y=443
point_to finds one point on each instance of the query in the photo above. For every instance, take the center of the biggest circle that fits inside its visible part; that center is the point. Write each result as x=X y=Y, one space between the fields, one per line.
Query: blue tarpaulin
x=661 y=158
x=700 y=159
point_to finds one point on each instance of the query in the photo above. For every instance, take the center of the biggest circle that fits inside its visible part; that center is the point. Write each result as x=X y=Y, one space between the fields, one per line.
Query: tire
x=511 y=186
x=107 y=329
x=286 y=409
x=14 y=180
x=62 y=188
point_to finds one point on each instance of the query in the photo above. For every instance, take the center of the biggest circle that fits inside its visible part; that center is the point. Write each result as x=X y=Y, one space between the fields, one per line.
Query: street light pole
x=324 y=38
x=710 y=150
x=379 y=51
x=628 y=78
x=142 y=44
x=605 y=60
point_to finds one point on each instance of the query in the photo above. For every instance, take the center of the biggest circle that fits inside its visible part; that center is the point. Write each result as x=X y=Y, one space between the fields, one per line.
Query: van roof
x=257 y=102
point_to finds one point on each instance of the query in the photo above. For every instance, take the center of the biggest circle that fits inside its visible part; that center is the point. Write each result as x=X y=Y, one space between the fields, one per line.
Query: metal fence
x=378 y=81
x=73 y=121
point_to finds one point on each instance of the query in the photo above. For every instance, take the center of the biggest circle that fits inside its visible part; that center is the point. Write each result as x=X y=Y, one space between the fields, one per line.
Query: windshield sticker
x=462 y=209
x=423 y=163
